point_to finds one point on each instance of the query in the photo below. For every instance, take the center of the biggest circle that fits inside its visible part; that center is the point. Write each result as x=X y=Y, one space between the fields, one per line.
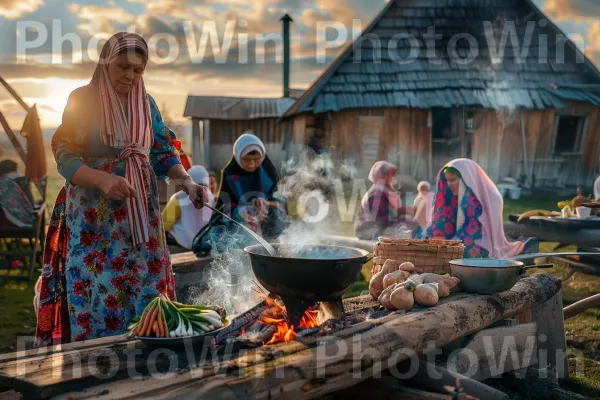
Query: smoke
x=313 y=187
x=229 y=280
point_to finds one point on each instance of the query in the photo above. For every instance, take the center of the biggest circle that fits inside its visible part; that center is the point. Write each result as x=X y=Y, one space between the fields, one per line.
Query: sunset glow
x=49 y=84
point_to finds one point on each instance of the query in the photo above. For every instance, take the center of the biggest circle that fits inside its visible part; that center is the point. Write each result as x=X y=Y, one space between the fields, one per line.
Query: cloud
x=99 y=19
x=14 y=9
x=593 y=45
x=564 y=10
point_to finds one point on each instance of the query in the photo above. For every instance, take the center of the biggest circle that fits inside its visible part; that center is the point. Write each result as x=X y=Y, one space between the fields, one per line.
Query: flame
x=275 y=315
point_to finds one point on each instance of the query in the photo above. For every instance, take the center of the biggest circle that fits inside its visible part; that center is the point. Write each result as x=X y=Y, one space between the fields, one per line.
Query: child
x=181 y=219
x=423 y=204
x=212 y=183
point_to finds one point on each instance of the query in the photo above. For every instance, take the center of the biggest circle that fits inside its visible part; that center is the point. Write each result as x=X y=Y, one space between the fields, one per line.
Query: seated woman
x=247 y=194
x=468 y=207
x=381 y=211
x=16 y=211
x=182 y=220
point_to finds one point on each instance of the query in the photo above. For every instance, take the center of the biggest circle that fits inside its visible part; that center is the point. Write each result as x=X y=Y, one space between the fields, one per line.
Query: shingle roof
x=360 y=78
x=236 y=108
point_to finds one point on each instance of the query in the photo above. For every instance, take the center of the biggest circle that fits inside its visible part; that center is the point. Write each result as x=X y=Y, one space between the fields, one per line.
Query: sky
x=44 y=71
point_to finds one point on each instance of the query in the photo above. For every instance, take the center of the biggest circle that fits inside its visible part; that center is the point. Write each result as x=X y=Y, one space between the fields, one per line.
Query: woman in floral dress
x=468 y=207
x=106 y=255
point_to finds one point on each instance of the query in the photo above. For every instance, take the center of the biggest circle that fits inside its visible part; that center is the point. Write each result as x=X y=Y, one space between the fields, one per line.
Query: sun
x=59 y=91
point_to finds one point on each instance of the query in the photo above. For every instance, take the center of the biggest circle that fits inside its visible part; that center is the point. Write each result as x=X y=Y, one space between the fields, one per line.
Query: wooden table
x=117 y=368
x=581 y=237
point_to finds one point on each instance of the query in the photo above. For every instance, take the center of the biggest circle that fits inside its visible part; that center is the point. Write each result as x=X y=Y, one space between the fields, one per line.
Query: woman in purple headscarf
x=381 y=206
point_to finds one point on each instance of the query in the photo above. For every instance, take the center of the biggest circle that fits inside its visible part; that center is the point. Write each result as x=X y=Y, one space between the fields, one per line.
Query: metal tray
x=179 y=342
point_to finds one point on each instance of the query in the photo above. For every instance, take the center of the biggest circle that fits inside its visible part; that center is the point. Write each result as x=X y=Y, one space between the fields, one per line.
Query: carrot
x=155 y=329
x=146 y=322
x=151 y=319
x=139 y=331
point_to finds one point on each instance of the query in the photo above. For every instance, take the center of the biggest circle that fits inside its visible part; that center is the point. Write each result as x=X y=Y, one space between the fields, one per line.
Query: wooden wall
x=498 y=145
x=227 y=132
x=496 y=142
x=224 y=133
x=405 y=139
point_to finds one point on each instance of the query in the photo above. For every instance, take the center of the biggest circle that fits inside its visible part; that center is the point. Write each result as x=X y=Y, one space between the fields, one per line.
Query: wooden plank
x=583 y=237
x=44 y=351
x=493 y=352
x=434 y=378
x=313 y=372
x=189 y=262
x=551 y=330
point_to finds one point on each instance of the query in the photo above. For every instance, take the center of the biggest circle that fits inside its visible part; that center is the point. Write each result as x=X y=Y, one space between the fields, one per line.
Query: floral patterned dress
x=445 y=220
x=94 y=281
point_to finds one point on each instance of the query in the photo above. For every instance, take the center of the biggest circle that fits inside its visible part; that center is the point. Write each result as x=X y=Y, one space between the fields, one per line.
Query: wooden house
x=531 y=113
x=218 y=121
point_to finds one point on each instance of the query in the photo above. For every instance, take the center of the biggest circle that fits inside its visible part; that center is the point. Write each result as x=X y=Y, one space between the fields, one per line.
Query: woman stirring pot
x=106 y=255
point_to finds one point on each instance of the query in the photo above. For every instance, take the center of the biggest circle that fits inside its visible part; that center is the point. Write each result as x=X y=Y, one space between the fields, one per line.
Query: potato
x=447 y=284
x=408 y=266
x=416 y=278
x=402 y=297
x=390 y=266
x=394 y=277
x=376 y=285
x=385 y=297
x=426 y=294
x=432 y=278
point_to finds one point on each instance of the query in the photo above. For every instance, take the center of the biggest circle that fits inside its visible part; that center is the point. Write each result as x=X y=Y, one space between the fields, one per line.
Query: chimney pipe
x=286 y=19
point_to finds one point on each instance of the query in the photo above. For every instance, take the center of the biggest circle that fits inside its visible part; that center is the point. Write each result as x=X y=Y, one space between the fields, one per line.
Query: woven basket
x=431 y=255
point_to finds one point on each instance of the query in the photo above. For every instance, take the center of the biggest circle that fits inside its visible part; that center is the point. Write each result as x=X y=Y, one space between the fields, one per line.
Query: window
x=569 y=134
x=441 y=123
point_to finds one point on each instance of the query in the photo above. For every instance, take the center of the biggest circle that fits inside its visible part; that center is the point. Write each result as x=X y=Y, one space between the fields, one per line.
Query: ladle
x=270 y=249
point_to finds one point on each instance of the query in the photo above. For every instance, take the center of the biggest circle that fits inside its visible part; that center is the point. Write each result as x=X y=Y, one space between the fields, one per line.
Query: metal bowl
x=486 y=275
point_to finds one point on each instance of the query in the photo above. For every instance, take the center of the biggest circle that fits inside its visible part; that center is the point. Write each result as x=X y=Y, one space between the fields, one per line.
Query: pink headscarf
x=493 y=237
x=132 y=132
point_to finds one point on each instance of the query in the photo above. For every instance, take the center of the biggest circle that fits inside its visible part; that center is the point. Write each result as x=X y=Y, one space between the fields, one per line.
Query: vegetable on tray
x=164 y=318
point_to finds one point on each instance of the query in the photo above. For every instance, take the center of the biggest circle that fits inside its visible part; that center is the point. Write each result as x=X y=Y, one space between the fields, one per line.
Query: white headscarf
x=199 y=175
x=247 y=143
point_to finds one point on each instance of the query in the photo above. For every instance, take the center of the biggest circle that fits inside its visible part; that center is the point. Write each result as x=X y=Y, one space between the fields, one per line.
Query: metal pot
x=486 y=276
x=315 y=272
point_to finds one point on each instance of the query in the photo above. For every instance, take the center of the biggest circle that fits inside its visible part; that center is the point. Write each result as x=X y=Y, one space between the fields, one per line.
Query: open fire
x=275 y=315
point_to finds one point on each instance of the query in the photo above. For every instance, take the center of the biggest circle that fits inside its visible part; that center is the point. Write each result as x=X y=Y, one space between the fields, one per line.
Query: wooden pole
x=197 y=154
x=581 y=306
x=13 y=139
x=206 y=142
x=14 y=94
x=524 y=140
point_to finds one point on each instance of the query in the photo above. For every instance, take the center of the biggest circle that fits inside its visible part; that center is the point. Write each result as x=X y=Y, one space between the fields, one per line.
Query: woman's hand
x=198 y=194
x=117 y=188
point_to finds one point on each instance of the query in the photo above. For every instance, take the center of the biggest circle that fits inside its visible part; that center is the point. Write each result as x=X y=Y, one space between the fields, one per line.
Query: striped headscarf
x=131 y=132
